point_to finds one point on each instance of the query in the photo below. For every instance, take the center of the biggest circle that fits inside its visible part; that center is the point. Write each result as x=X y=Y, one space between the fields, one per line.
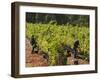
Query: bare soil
x=34 y=59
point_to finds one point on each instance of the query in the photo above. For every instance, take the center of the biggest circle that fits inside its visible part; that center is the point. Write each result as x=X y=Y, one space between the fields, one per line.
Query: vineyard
x=51 y=38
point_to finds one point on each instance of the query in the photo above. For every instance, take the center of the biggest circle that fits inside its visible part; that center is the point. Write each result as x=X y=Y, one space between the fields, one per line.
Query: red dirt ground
x=33 y=59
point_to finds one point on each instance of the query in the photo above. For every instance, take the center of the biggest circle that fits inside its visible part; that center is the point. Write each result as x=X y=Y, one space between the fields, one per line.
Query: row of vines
x=49 y=38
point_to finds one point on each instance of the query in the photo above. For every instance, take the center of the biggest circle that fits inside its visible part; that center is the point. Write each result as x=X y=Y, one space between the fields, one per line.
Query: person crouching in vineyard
x=76 y=51
x=76 y=48
x=35 y=48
